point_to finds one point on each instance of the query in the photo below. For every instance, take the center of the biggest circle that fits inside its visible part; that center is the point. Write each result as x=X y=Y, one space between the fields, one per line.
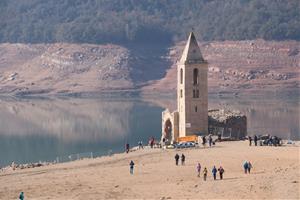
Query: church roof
x=191 y=52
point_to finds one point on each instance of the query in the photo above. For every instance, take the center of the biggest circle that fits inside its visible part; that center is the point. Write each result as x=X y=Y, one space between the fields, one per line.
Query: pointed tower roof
x=191 y=52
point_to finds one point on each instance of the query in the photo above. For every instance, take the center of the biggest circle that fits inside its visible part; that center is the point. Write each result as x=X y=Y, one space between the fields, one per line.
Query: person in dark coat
x=249 y=167
x=127 y=148
x=131 y=165
x=203 y=140
x=214 y=172
x=182 y=159
x=250 y=140
x=245 y=167
x=255 y=140
x=221 y=172
x=176 y=158
x=209 y=140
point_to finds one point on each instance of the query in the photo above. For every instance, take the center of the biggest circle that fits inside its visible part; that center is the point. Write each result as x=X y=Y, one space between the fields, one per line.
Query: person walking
x=255 y=140
x=152 y=142
x=140 y=143
x=221 y=171
x=209 y=140
x=214 y=172
x=131 y=164
x=204 y=174
x=21 y=196
x=245 y=167
x=182 y=159
x=176 y=158
x=250 y=140
x=203 y=140
x=198 y=169
x=249 y=167
x=127 y=147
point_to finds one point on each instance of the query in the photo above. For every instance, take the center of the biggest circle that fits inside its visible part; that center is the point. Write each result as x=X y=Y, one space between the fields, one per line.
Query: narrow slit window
x=196 y=108
x=181 y=76
x=195 y=76
x=181 y=93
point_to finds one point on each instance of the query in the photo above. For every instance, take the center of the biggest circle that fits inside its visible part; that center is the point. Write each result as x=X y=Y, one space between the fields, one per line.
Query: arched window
x=181 y=76
x=195 y=76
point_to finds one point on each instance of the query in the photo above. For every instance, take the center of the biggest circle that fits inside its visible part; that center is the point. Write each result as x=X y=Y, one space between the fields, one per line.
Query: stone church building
x=191 y=116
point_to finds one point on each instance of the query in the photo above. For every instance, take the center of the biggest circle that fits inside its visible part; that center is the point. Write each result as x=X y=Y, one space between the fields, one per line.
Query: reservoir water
x=33 y=130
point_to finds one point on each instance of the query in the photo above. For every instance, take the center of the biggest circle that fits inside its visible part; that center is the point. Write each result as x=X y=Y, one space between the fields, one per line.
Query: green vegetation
x=122 y=21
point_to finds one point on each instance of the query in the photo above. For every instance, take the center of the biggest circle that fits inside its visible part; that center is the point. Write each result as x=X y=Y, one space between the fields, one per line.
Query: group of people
x=247 y=167
x=198 y=167
x=255 y=138
x=140 y=144
x=210 y=141
x=177 y=159
x=214 y=172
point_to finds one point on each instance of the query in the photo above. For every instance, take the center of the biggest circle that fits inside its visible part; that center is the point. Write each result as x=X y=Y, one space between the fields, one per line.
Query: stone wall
x=228 y=123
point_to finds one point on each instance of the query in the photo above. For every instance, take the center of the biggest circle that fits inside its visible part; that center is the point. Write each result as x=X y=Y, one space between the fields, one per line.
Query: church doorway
x=168 y=130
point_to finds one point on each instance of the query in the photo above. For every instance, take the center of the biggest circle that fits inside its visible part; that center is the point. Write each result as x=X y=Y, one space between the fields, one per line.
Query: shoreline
x=28 y=165
x=276 y=174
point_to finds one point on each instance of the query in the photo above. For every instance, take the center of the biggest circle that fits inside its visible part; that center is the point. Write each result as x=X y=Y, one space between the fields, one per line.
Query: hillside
x=239 y=67
x=62 y=68
x=242 y=67
x=146 y=21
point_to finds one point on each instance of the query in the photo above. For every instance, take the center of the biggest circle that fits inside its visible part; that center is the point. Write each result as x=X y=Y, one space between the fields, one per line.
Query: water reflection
x=35 y=129
x=42 y=129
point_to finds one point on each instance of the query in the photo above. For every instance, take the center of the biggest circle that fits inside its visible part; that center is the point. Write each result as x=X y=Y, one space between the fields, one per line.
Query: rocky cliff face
x=239 y=67
x=242 y=67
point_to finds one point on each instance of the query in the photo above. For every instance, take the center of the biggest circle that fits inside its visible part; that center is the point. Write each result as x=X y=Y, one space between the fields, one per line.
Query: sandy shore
x=275 y=175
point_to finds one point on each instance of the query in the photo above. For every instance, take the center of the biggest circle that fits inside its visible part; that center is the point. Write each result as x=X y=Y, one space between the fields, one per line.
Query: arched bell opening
x=168 y=130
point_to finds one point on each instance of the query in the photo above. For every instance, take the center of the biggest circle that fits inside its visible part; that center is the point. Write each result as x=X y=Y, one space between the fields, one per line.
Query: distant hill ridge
x=146 y=21
x=239 y=67
x=242 y=67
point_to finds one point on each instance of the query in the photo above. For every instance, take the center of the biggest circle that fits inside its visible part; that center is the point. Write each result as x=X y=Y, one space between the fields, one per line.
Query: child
x=204 y=173
x=131 y=164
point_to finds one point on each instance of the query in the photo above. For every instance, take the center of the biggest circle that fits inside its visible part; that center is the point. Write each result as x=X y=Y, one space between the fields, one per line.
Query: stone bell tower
x=192 y=96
